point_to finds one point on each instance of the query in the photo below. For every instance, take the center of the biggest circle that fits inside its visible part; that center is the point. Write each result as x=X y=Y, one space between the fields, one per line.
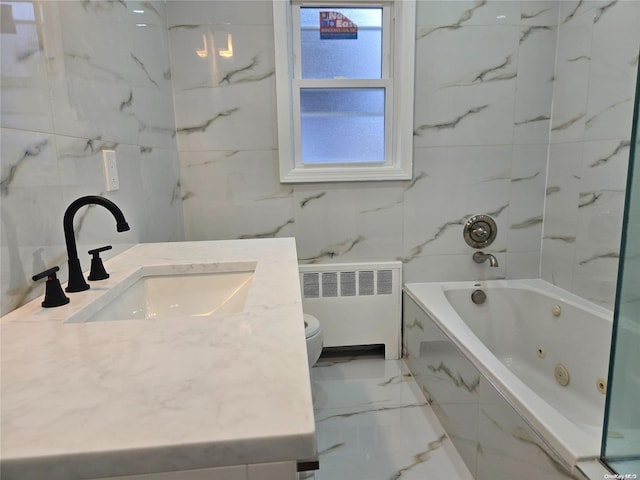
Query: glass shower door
x=621 y=436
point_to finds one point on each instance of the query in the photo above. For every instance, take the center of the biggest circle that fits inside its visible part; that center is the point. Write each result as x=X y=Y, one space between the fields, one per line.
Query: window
x=344 y=75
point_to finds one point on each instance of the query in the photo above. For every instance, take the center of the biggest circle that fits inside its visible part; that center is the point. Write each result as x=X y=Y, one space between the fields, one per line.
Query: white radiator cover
x=355 y=303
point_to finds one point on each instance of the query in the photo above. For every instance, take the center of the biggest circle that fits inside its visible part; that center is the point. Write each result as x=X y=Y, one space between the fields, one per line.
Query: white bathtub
x=515 y=341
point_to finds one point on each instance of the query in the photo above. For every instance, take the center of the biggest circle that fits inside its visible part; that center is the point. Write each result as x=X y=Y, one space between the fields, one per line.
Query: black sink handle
x=53 y=296
x=97 y=268
x=96 y=251
x=50 y=274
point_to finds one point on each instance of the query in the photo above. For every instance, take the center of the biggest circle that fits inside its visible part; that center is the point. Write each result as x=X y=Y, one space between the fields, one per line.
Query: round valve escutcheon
x=480 y=231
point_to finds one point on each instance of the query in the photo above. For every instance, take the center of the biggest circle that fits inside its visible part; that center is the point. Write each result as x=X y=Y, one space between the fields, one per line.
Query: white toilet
x=313 y=332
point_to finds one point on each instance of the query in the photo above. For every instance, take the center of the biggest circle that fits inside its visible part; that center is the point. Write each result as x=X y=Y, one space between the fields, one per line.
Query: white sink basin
x=160 y=296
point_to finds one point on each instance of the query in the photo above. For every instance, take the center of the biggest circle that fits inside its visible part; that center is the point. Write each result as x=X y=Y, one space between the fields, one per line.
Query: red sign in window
x=336 y=26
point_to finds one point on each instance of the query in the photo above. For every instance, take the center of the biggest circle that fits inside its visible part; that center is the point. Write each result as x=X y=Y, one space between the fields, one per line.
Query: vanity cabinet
x=258 y=471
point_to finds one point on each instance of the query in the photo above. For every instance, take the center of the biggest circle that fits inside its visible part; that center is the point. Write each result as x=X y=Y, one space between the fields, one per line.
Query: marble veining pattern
x=489 y=82
x=589 y=146
x=141 y=411
x=464 y=100
x=77 y=78
x=373 y=422
x=495 y=91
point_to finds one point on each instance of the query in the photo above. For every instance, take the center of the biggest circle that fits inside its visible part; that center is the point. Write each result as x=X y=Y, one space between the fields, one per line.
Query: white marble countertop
x=87 y=400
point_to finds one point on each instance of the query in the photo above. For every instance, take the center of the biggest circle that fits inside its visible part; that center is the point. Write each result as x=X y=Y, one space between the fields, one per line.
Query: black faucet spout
x=77 y=282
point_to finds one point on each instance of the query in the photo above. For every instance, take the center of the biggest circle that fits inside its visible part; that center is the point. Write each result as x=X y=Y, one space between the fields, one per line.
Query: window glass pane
x=342 y=125
x=327 y=54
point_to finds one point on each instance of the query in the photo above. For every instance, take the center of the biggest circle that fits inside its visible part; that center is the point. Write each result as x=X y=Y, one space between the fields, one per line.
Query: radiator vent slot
x=366 y=282
x=310 y=285
x=385 y=282
x=347 y=284
x=330 y=284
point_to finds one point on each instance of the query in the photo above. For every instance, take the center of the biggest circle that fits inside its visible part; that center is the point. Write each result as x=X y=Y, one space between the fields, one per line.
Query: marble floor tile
x=373 y=423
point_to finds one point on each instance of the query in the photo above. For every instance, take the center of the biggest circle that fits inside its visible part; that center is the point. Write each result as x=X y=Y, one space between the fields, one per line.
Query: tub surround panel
x=560 y=222
x=491 y=437
x=535 y=80
x=447 y=379
x=611 y=62
x=79 y=77
x=522 y=265
x=509 y=448
x=110 y=368
x=452 y=267
x=572 y=82
x=475 y=178
x=596 y=68
x=526 y=208
x=511 y=47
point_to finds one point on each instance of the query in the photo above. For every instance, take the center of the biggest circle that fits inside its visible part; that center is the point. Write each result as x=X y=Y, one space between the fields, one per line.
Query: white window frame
x=397 y=79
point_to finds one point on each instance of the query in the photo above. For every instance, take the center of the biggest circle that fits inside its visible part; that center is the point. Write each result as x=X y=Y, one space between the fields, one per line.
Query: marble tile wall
x=484 y=83
x=596 y=67
x=79 y=77
x=226 y=124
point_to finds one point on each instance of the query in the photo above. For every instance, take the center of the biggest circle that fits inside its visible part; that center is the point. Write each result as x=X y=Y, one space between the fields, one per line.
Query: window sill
x=344 y=174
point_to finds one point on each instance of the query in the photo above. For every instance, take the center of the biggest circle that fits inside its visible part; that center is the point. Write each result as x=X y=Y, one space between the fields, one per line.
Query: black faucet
x=77 y=282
